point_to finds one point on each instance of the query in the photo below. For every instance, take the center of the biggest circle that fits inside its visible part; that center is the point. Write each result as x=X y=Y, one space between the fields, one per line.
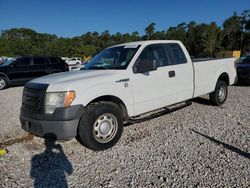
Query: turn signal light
x=70 y=96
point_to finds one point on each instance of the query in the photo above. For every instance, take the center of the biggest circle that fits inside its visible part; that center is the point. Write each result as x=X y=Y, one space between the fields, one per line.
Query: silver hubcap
x=105 y=128
x=2 y=83
x=222 y=93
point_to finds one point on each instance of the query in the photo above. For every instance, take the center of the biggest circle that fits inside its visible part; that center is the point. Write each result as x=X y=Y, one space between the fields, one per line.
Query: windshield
x=8 y=62
x=113 y=58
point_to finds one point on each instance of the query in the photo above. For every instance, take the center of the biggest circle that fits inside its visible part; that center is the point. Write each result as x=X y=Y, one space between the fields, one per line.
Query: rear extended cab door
x=183 y=69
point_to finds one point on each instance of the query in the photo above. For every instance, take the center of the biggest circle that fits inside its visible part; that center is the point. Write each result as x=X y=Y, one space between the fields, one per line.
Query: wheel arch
x=224 y=77
x=113 y=99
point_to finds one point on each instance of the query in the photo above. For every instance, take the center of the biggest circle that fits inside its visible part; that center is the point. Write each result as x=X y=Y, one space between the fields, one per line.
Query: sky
x=69 y=18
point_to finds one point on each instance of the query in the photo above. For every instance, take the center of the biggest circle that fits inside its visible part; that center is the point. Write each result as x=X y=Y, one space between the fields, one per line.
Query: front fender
x=119 y=90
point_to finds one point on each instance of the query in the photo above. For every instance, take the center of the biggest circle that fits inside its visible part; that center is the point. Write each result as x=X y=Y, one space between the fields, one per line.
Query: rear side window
x=54 y=60
x=24 y=61
x=40 y=61
x=177 y=53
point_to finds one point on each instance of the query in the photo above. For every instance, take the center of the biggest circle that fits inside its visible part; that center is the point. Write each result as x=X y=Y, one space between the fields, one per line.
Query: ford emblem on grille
x=27 y=98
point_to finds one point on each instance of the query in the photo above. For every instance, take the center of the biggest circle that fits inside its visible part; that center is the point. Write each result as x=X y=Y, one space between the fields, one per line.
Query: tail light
x=66 y=66
x=235 y=64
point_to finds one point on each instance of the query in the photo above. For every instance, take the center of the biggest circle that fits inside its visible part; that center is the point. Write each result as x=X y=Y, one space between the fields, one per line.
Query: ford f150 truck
x=121 y=82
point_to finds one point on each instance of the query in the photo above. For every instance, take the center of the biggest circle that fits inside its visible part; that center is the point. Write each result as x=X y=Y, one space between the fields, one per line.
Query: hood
x=75 y=76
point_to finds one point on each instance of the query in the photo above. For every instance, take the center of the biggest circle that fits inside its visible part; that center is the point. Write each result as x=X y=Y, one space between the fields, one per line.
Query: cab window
x=40 y=61
x=178 y=56
x=22 y=62
x=154 y=52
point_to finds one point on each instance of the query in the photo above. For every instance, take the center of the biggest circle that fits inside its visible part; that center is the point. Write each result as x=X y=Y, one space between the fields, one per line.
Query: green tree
x=177 y=33
x=149 y=30
x=201 y=39
x=210 y=39
x=232 y=33
x=191 y=42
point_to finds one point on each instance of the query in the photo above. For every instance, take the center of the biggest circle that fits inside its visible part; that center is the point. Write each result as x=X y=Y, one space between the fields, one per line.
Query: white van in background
x=74 y=61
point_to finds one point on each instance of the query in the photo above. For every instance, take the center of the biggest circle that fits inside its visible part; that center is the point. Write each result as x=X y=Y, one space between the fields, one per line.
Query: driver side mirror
x=145 y=66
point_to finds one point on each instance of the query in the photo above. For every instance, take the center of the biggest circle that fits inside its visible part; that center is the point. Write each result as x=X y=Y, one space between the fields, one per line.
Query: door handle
x=122 y=80
x=171 y=74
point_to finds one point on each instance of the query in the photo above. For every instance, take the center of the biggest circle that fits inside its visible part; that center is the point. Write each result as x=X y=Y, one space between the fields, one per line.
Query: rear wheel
x=3 y=82
x=219 y=96
x=101 y=126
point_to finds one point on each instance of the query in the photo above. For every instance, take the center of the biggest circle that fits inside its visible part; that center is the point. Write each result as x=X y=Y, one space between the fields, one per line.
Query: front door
x=19 y=72
x=154 y=89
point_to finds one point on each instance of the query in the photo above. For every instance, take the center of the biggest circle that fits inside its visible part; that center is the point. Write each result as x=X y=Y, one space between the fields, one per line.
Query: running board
x=159 y=112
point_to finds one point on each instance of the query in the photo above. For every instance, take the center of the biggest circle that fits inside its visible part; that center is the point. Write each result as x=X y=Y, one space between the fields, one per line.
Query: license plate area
x=33 y=128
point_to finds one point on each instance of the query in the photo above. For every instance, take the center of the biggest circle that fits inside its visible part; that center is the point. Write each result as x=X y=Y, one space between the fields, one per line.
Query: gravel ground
x=10 y=104
x=196 y=146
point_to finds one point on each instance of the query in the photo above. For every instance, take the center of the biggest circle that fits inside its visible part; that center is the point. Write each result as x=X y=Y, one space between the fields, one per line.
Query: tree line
x=201 y=40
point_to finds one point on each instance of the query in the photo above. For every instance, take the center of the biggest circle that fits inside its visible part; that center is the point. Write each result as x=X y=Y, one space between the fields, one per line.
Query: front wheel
x=3 y=83
x=219 y=96
x=101 y=126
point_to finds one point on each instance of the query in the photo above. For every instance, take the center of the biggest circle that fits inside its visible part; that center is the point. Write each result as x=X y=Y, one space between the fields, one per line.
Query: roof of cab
x=147 y=42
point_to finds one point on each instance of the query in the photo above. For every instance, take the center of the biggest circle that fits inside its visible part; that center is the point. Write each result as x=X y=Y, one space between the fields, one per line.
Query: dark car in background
x=243 y=69
x=20 y=70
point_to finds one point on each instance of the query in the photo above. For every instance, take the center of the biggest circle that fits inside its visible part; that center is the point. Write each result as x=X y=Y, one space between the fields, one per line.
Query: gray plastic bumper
x=63 y=125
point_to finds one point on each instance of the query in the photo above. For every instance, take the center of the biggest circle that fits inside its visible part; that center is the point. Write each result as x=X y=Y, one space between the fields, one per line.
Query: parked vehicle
x=19 y=71
x=4 y=59
x=243 y=69
x=120 y=83
x=74 y=61
x=65 y=58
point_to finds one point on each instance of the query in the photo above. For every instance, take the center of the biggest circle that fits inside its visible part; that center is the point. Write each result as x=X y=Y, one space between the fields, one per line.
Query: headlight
x=54 y=100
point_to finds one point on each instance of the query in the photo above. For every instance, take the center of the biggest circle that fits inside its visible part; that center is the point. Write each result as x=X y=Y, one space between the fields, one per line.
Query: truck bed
x=199 y=60
x=207 y=71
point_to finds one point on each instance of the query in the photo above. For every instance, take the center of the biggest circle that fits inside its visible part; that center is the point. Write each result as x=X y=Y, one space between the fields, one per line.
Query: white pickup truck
x=120 y=83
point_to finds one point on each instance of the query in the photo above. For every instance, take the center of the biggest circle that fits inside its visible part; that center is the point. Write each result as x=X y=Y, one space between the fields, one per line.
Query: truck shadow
x=227 y=146
x=49 y=168
x=203 y=101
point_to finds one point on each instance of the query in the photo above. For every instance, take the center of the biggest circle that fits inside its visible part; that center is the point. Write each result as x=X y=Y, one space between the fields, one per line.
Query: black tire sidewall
x=215 y=95
x=85 y=130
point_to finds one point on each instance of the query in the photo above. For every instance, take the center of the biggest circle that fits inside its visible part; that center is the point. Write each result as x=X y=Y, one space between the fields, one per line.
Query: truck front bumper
x=62 y=124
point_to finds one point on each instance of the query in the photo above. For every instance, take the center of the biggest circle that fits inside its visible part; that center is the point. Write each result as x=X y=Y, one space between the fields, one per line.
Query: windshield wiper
x=95 y=68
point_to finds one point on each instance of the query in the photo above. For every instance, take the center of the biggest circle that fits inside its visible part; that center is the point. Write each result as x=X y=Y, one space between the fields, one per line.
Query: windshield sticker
x=123 y=63
x=131 y=46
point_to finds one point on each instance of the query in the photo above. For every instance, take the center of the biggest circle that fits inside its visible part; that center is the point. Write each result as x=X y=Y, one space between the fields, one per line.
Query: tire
x=101 y=126
x=3 y=83
x=219 y=96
